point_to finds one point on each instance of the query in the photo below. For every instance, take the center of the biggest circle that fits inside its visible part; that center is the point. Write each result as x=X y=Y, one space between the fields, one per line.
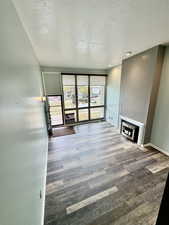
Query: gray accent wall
x=23 y=136
x=160 y=130
x=154 y=93
x=139 y=86
x=113 y=95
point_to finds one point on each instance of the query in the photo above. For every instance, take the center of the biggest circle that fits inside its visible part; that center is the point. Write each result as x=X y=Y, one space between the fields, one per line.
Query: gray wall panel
x=139 y=86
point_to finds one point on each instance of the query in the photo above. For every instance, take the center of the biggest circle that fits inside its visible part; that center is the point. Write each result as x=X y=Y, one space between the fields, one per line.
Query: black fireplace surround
x=129 y=130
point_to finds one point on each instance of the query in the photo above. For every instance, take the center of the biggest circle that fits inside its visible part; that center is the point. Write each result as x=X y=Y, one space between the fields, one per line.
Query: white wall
x=160 y=130
x=23 y=137
x=113 y=95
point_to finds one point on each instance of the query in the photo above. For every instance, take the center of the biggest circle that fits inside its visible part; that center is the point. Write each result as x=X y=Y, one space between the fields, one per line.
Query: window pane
x=70 y=116
x=56 y=116
x=83 y=114
x=97 y=80
x=82 y=80
x=97 y=113
x=68 y=80
x=54 y=100
x=96 y=95
x=69 y=97
x=82 y=96
x=55 y=110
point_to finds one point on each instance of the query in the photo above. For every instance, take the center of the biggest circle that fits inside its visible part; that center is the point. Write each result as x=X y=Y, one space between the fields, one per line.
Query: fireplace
x=138 y=133
x=129 y=130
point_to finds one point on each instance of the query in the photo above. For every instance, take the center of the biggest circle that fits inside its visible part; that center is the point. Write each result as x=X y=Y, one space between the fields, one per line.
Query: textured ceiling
x=92 y=33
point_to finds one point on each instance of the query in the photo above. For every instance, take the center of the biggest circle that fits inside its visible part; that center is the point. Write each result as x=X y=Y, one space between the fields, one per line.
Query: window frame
x=77 y=108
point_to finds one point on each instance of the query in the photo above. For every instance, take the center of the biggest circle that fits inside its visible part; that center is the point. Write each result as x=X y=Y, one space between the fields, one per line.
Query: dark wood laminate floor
x=96 y=177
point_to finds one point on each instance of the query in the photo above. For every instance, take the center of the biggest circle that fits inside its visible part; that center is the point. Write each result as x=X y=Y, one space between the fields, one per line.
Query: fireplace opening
x=129 y=130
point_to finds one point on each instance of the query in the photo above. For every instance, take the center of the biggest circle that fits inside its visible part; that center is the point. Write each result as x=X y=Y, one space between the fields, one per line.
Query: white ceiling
x=92 y=33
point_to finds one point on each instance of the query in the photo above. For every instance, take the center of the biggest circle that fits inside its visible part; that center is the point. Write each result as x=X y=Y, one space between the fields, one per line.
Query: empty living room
x=84 y=112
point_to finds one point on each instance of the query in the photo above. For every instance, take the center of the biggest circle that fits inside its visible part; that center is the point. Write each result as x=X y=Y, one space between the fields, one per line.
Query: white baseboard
x=158 y=148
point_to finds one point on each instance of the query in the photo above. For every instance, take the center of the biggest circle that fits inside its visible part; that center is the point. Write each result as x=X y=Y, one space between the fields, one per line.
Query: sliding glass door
x=84 y=97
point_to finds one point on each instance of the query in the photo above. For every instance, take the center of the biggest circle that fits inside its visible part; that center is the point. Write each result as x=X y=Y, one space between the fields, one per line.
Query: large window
x=84 y=97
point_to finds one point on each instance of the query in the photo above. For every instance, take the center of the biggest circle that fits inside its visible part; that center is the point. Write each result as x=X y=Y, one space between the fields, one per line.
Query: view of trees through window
x=84 y=96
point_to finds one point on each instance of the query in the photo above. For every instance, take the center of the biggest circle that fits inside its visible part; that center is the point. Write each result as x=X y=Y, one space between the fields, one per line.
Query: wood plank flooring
x=96 y=177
